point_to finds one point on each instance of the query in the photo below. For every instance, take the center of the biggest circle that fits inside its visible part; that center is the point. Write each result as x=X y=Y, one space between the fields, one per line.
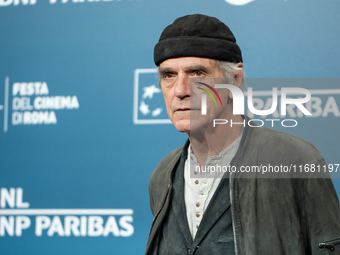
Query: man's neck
x=213 y=140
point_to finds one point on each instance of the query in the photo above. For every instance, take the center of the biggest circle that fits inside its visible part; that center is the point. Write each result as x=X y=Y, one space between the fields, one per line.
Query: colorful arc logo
x=212 y=89
x=204 y=97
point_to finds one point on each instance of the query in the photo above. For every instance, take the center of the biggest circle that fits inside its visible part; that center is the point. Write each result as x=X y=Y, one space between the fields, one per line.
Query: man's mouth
x=183 y=109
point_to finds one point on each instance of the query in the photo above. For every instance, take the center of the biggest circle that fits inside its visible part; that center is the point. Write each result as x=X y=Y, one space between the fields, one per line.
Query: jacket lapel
x=162 y=207
x=179 y=202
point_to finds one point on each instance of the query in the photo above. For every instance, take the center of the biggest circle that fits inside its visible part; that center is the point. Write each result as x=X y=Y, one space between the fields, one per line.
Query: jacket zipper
x=329 y=244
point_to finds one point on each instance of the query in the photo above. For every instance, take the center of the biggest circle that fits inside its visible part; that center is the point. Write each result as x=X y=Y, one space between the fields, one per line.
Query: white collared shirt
x=199 y=191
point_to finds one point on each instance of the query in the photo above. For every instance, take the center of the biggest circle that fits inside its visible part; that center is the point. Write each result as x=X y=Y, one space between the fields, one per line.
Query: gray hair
x=229 y=70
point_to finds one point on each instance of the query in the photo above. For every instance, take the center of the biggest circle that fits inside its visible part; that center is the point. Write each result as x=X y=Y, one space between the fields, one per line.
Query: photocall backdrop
x=83 y=122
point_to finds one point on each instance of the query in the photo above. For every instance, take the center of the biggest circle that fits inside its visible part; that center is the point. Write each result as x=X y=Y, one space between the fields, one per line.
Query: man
x=236 y=214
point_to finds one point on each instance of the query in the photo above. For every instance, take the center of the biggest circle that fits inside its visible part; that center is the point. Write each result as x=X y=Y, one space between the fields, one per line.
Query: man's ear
x=238 y=78
x=240 y=72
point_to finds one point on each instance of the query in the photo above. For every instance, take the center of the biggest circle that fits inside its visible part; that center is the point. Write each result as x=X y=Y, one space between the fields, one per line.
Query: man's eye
x=168 y=76
x=198 y=73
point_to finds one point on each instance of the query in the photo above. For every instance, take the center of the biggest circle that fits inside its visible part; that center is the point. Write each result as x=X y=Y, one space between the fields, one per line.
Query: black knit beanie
x=197 y=36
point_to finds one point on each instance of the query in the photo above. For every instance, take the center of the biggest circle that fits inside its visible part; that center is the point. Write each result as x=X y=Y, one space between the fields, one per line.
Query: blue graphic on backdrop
x=239 y=2
x=324 y=102
x=4 y=3
x=148 y=93
x=16 y=217
x=32 y=103
x=149 y=106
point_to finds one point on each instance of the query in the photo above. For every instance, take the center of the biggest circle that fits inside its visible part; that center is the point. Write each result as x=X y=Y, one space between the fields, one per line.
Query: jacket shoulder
x=280 y=145
x=162 y=168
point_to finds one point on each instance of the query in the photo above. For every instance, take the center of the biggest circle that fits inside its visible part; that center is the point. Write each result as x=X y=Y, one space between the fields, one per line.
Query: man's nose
x=182 y=88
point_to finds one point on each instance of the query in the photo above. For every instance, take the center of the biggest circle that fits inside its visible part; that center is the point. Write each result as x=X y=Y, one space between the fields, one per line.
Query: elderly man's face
x=175 y=74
